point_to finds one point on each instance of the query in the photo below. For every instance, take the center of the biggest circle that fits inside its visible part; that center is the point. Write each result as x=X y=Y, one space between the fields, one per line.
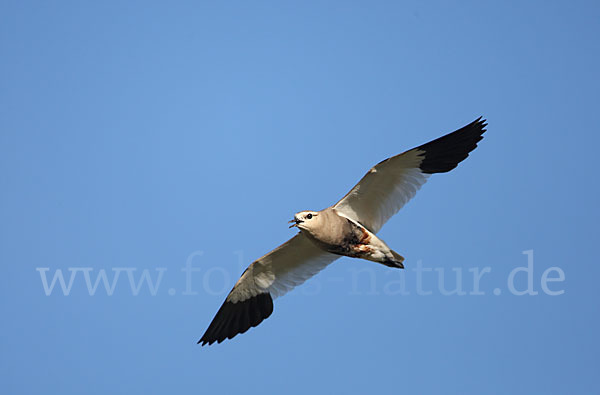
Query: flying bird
x=348 y=228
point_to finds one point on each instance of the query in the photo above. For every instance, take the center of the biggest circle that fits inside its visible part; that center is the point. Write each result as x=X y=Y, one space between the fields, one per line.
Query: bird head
x=304 y=220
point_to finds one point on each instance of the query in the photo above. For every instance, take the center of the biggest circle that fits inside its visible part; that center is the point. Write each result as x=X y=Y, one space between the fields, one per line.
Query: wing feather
x=388 y=186
x=251 y=299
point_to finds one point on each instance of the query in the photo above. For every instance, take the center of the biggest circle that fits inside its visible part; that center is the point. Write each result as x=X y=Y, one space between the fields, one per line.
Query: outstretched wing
x=389 y=185
x=251 y=299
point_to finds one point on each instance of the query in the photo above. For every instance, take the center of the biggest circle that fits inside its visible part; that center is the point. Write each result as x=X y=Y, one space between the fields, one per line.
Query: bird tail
x=397 y=256
x=396 y=262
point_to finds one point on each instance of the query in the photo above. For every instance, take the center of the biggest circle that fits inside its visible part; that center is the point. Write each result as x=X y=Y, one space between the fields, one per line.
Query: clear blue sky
x=141 y=135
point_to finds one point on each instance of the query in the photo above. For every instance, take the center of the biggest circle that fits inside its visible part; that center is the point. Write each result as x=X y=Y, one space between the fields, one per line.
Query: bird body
x=338 y=234
x=347 y=228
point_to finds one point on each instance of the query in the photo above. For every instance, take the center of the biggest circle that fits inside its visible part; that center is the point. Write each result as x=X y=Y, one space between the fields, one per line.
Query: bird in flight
x=348 y=228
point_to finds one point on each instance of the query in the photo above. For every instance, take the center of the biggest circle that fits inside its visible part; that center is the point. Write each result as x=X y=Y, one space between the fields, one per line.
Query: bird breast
x=335 y=233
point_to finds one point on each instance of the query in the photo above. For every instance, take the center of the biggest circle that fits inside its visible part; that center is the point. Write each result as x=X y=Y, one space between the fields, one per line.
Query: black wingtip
x=235 y=318
x=445 y=153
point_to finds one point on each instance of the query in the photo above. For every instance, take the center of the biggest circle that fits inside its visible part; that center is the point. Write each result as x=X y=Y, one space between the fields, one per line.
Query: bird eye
x=309 y=216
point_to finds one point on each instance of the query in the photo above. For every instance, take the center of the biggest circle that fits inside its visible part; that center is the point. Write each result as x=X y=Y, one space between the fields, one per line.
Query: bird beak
x=295 y=223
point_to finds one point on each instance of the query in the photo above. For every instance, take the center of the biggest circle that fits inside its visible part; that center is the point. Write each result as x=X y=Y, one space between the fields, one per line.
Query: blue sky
x=138 y=136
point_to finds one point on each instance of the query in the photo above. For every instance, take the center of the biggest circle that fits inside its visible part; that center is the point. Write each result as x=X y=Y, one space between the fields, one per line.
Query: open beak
x=295 y=223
